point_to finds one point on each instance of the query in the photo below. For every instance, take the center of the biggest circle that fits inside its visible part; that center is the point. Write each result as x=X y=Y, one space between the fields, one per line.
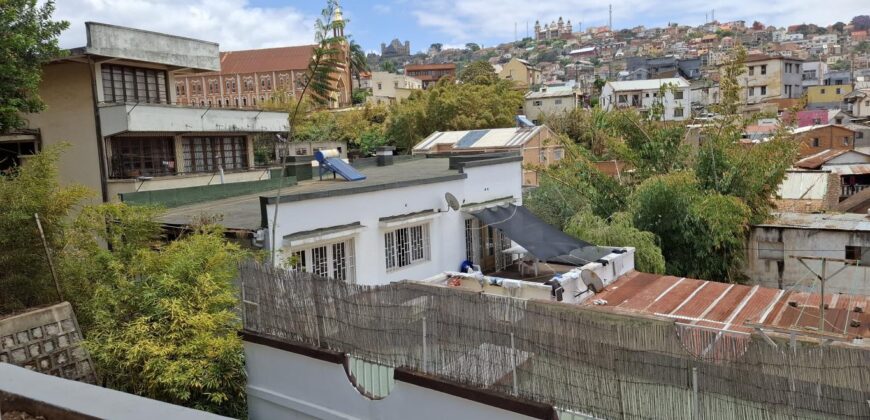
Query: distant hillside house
x=644 y=94
x=389 y=88
x=430 y=73
x=550 y=101
x=521 y=72
x=538 y=145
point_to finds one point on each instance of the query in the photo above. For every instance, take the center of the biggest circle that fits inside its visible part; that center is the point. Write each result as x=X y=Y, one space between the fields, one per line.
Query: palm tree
x=357 y=61
x=320 y=82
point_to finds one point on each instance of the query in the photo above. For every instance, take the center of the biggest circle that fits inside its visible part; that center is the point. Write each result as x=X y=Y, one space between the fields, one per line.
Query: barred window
x=406 y=246
x=133 y=84
x=142 y=156
x=334 y=260
x=207 y=154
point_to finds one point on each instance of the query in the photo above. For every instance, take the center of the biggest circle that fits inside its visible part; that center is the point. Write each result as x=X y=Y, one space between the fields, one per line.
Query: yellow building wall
x=827 y=94
x=69 y=117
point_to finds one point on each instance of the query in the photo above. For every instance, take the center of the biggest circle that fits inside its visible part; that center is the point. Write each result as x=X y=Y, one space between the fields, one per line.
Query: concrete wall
x=775 y=80
x=446 y=228
x=118 y=186
x=550 y=106
x=830 y=96
x=610 y=99
x=55 y=398
x=69 y=117
x=165 y=118
x=805 y=242
x=286 y=385
x=46 y=340
x=152 y=47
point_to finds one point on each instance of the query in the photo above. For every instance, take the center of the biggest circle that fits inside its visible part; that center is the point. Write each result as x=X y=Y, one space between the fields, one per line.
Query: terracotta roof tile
x=268 y=59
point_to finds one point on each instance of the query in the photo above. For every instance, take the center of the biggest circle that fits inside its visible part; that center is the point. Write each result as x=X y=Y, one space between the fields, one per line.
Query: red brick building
x=249 y=78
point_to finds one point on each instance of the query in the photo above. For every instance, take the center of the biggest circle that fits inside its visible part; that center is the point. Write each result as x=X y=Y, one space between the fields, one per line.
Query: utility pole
x=610 y=17
x=824 y=277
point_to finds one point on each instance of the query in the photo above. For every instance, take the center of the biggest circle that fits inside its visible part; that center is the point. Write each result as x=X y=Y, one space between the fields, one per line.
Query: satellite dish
x=452 y=202
x=592 y=281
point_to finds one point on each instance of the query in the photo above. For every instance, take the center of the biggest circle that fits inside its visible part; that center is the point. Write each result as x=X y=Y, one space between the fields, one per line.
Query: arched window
x=244 y=101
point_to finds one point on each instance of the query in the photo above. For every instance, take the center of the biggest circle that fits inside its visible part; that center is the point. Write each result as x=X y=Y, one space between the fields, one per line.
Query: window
x=752 y=70
x=537 y=103
x=678 y=112
x=334 y=260
x=542 y=156
x=180 y=89
x=678 y=94
x=858 y=253
x=838 y=121
x=133 y=84
x=764 y=90
x=815 y=142
x=301 y=151
x=764 y=69
x=472 y=240
x=380 y=87
x=845 y=141
x=558 y=102
x=822 y=91
x=622 y=99
x=406 y=246
x=142 y=156
x=558 y=154
x=207 y=154
x=839 y=91
x=788 y=67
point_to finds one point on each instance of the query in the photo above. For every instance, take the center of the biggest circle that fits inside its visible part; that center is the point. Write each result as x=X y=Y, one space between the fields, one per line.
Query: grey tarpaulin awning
x=543 y=241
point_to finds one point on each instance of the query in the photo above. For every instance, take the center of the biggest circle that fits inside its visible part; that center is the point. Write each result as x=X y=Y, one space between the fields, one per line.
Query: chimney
x=385 y=155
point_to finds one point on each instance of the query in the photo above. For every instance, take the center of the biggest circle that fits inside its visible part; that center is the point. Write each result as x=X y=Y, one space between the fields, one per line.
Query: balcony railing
x=850 y=190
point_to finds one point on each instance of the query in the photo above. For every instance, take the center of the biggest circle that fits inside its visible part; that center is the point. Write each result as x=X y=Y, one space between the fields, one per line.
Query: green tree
x=388 y=66
x=479 y=73
x=25 y=278
x=164 y=324
x=436 y=47
x=358 y=62
x=701 y=234
x=471 y=46
x=449 y=106
x=28 y=39
x=619 y=232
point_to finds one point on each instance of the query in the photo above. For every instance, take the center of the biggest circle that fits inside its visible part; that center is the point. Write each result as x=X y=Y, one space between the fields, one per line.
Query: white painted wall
x=167 y=118
x=446 y=229
x=285 y=385
x=610 y=99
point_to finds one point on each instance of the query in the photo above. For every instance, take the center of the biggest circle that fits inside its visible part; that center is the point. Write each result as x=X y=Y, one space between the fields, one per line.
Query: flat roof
x=244 y=212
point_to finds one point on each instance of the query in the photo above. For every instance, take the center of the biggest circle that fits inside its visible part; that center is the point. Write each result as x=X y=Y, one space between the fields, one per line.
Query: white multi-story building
x=394 y=225
x=672 y=94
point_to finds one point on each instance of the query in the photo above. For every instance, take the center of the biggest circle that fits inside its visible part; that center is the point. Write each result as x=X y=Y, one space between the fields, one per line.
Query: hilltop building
x=396 y=49
x=554 y=30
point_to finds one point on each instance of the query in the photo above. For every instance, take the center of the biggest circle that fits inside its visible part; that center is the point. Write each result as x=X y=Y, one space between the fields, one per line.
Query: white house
x=394 y=225
x=672 y=93
x=550 y=101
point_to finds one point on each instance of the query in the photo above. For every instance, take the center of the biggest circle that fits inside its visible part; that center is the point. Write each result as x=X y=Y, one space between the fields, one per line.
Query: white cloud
x=476 y=20
x=235 y=24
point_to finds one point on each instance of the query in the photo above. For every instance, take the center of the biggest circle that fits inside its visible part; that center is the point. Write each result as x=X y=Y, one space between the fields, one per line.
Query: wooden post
x=822 y=300
x=425 y=350
x=696 y=408
x=48 y=257
x=514 y=365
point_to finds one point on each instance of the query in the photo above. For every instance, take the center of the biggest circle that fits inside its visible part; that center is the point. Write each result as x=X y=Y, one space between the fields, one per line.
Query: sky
x=248 y=24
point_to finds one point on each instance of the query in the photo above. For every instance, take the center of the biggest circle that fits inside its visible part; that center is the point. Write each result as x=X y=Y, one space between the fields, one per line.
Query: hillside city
x=583 y=223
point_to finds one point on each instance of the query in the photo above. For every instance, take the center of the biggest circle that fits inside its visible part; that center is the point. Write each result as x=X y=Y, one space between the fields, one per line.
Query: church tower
x=343 y=83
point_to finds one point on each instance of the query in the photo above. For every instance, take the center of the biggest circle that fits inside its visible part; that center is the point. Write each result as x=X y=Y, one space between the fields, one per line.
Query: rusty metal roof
x=732 y=307
x=817 y=160
x=267 y=59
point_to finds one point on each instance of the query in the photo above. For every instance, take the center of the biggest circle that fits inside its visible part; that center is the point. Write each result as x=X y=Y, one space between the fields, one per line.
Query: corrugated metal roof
x=471 y=139
x=817 y=160
x=730 y=307
x=647 y=84
x=821 y=221
x=863 y=169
